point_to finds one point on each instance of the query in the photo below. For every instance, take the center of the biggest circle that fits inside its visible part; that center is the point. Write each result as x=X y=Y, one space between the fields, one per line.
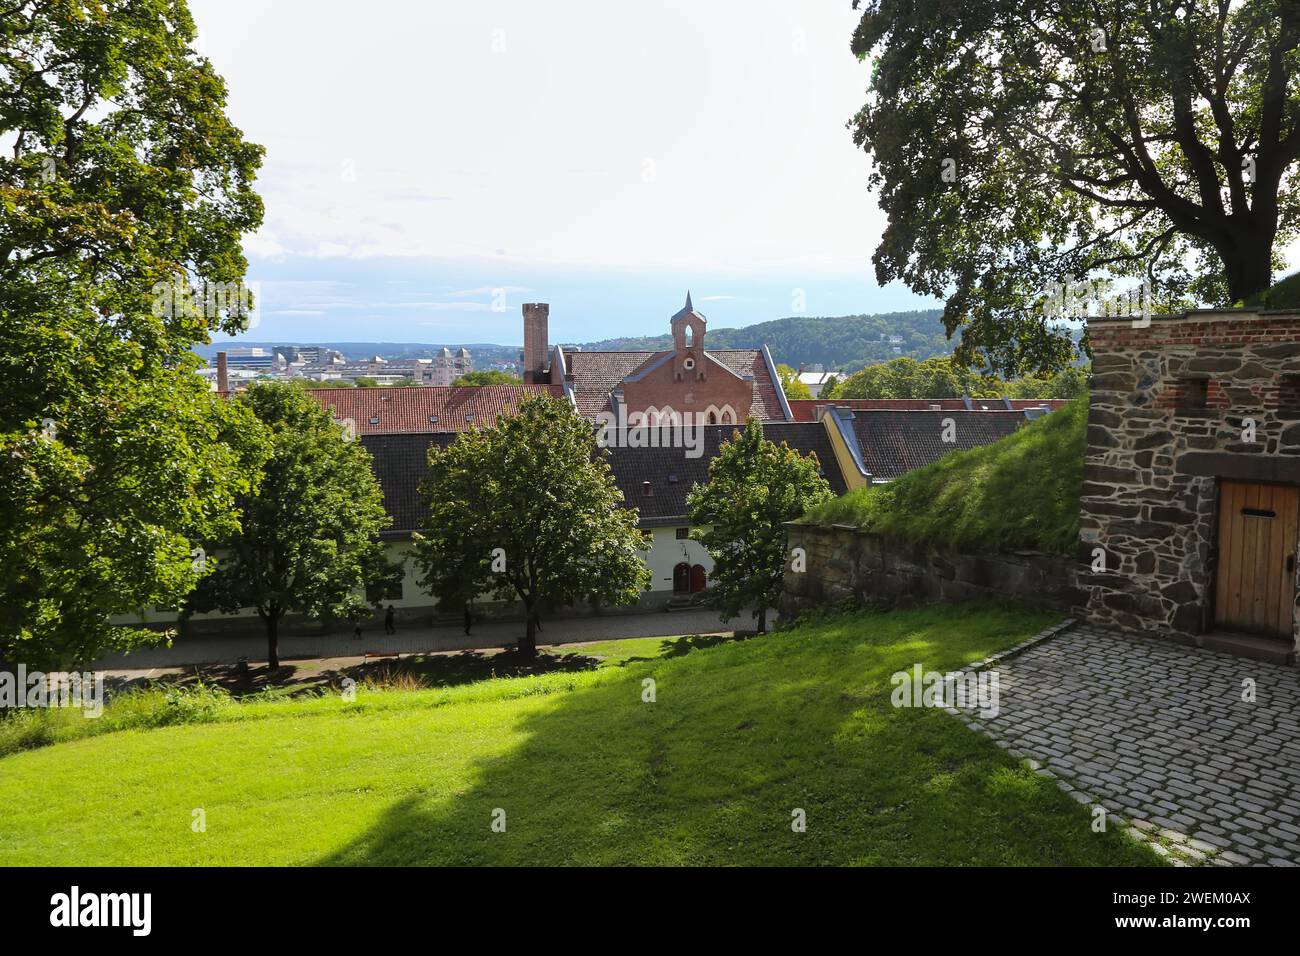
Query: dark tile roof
x=894 y=443
x=400 y=462
x=666 y=503
x=596 y=373
x=410 y=408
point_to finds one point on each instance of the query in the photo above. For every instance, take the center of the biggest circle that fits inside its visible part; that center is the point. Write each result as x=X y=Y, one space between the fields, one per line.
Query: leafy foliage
x=940 y=377
x=308 y=541
x=1020 y=492
x=794 y=388
x=1015 y=144
x=488 y=377
x=529 y=510
x=739 y=514
x=124 y=173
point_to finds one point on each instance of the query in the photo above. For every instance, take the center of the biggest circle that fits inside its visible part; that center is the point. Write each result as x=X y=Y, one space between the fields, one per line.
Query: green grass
x=1018 y=493
x=1284 y=294
x=740 y=734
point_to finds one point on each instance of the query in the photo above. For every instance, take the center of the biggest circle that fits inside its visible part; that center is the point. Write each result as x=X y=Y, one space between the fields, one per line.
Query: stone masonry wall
x=848 y=565
x=1167 y=421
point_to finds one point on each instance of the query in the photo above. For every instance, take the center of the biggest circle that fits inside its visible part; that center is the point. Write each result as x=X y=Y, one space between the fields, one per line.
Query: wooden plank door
x=1255 y=582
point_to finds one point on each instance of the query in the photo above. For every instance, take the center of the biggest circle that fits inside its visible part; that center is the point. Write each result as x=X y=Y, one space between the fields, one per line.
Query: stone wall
x=1171 y=402
x=845 y=564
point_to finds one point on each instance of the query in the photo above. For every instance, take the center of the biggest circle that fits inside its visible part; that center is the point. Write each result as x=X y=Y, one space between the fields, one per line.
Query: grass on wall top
x=1284 y=294
x=1018 y=493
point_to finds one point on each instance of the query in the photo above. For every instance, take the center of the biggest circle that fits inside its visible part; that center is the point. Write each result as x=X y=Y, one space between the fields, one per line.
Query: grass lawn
x=1020 y=492
x=740 y=734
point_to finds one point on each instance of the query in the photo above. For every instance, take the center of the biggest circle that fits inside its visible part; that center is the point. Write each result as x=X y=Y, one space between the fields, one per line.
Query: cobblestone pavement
x=1159 y=734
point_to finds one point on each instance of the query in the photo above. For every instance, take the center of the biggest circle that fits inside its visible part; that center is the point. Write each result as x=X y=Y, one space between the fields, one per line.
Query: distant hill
x=849 y=342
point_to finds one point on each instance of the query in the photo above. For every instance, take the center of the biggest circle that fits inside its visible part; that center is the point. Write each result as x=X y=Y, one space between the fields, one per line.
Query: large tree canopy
x=1019 y=143
x=528 y=510
x=309 y=539
x=120 y=176
x=755 y=486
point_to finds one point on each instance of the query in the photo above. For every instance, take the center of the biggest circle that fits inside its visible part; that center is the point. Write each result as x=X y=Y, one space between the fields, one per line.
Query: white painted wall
x=666 y=551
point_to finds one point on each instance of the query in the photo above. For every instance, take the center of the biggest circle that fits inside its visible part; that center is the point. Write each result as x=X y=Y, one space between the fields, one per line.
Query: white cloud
x=602 y=134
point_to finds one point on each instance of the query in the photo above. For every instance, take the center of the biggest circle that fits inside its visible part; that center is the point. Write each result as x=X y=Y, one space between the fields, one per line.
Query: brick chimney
x=536 y=339
x=223 y=373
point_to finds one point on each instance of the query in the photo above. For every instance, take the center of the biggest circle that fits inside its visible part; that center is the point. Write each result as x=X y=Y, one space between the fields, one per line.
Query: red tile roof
x=805 y=409
x=596 y=373
x=410 y=409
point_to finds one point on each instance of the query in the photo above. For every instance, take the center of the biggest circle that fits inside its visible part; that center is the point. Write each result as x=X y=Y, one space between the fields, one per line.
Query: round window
x=689 y=364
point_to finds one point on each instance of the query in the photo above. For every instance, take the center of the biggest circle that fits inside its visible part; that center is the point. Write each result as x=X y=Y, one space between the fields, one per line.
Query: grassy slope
x=1284 y=294
x=1021 y=492
x=587 y=773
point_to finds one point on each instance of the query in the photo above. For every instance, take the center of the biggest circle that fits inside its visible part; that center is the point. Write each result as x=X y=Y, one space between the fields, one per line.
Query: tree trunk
x=1249 y=268
x=528 y=646
x=273 y=641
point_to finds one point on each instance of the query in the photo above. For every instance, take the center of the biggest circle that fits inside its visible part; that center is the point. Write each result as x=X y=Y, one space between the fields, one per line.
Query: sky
x=432 y=166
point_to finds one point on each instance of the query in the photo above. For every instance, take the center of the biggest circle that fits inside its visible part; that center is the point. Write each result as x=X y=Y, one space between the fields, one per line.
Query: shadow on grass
x=738 y=743
x=406 y=672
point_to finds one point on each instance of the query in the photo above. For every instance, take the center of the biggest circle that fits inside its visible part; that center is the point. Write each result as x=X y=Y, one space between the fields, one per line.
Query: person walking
x=389 y=616
x=469 y=618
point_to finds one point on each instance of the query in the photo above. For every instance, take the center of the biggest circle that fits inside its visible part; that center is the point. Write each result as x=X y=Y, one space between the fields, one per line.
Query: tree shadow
x=410 y=672
x=734 y=745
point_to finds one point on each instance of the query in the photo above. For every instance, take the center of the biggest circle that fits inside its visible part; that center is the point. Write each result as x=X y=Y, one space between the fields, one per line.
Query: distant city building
x=446 y=367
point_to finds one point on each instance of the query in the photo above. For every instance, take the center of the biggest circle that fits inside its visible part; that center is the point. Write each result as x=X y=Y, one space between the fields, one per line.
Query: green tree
x=937 y=377
x=529 y=510
x=1017 y=144
x=790 y=382
x=123 y=185
x=309 y=542
x=739 y=514
x=488 y=377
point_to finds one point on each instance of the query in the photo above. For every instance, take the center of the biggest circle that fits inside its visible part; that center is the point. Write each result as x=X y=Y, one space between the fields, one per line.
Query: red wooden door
x=698 y=578
x=682 y=578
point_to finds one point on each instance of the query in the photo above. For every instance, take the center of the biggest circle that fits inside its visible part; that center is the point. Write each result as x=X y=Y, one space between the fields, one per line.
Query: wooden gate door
x=682 y=578
x=1255 y=581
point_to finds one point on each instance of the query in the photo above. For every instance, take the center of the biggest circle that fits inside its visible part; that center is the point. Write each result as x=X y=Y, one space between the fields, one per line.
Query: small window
x=374 y=419
x=469 y=417
x=1288 y=394
x=433 y=419
x=683 y=534
x=375 y=593
x=646 y=490
x=1193 y=393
